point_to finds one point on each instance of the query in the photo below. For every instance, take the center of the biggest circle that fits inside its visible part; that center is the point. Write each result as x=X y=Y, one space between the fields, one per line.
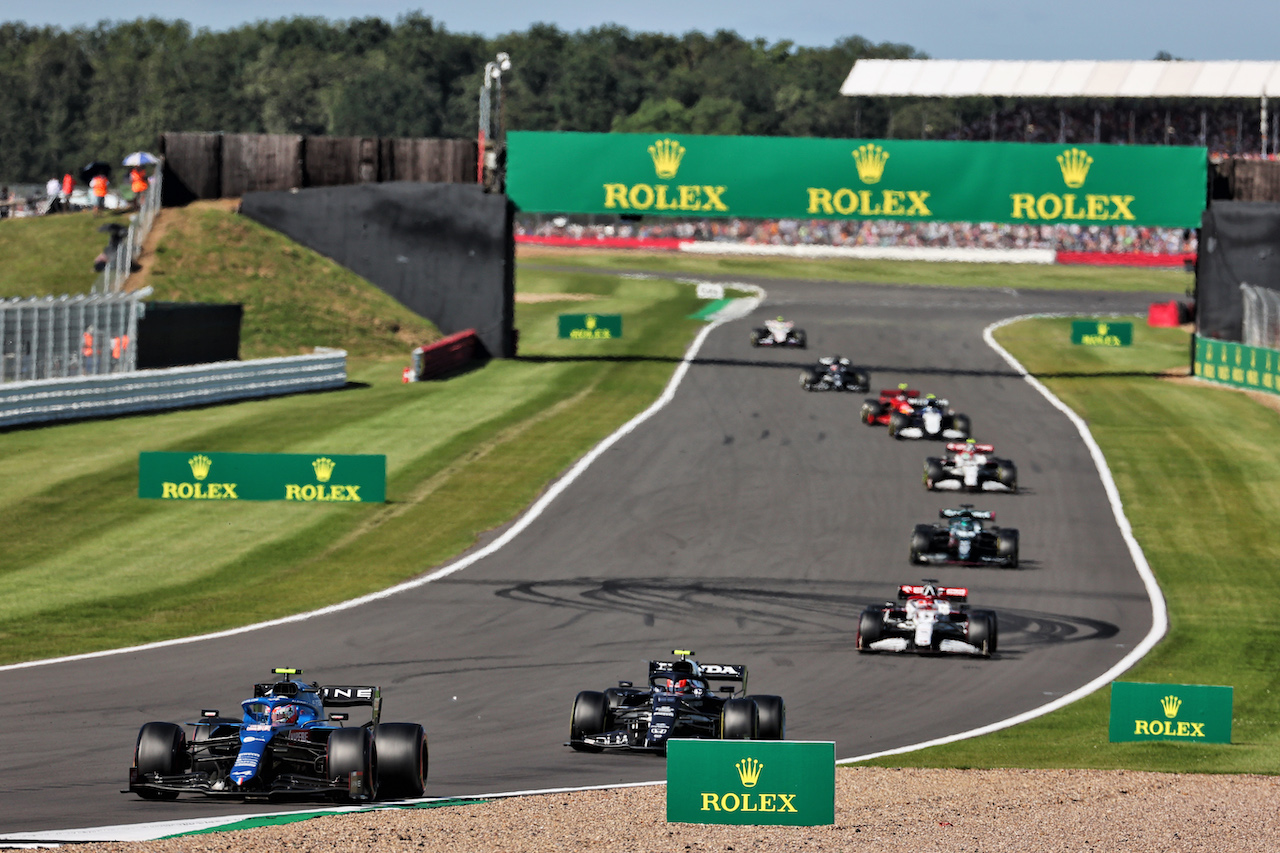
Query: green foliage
x=70 y=97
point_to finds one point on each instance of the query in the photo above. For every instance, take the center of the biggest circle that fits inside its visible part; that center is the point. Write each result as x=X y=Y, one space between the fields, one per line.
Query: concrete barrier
x=172 y=388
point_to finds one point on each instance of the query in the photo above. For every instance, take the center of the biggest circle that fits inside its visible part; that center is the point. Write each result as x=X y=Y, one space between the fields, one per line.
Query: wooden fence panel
x=192 y=167
x=1245 y=180
x=331 y=161
x=260 y=161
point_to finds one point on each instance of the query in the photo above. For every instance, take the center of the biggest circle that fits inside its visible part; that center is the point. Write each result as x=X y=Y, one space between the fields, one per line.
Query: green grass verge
x=1196 y=469
x=1018 y=276
x=52 y=255
x=99 y=568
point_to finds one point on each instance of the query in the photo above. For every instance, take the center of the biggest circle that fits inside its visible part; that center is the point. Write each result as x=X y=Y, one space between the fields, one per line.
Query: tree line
x=68 y=97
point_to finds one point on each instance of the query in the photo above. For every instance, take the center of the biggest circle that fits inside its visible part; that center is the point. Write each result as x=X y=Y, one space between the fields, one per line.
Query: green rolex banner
x=590 y=327
x=303 y=477
x=1101 y=333
x=1186 y=713
x=773 y=177
x=1236 y=364
x=783 y=782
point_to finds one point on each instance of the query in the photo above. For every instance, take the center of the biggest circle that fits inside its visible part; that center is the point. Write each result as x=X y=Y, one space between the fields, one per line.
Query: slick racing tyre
x=402 y=760
x=590 y=716
x=983 y=631
x=772 y=717
x=807 y=379
x=739 y=720
x=932 y=471
x=871 y=409
x=755 y=337
x=897 y=422
x=960 y=423
x=1007 y=475
x=870 y=624
x=801 y=340
x=161 y=748
x=1007 y=547
x=352 y=751
x=921 y=543
x=862 y=381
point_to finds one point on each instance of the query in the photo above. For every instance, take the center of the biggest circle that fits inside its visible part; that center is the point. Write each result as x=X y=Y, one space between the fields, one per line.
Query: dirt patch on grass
x=554 y=297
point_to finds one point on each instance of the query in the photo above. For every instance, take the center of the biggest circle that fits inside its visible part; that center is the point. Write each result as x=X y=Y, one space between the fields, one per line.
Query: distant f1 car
x=679 y=701
x=928 y=417
x=928 y=618
x=285 y=743
x=835 y=373
x=778 y=333
x=971 y=467
x=967 y=536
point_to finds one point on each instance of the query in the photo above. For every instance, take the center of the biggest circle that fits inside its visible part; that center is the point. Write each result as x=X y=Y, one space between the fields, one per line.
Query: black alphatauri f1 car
x=285 y=744
x=835 y=373
x=680 y=701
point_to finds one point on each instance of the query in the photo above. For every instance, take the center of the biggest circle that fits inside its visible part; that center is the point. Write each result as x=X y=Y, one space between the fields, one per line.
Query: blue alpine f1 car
x=286 y=743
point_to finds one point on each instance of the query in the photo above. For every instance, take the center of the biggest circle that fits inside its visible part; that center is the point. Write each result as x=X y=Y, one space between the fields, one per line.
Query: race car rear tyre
x=402 y=760
x=863 y=381
x=161 y=748
x=932 y=471
x=801 y=340
x=1007 y=475
x=984 y=631
x=353 y=751
x=960 y=423
x=1007 y=547
x=590 y=716
x=807 y=378
x=772 y=713
x=898 y=421
x=871 y=410
x=921 y=543
x=739 y=720
x=870 y=626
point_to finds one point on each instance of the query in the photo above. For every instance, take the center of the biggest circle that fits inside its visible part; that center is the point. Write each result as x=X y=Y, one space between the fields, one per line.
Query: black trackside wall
x=1239 y=244
x=445 y=251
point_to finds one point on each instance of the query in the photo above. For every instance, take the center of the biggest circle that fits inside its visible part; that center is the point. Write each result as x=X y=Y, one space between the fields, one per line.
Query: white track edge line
x=535 y=510
x=1159 y=612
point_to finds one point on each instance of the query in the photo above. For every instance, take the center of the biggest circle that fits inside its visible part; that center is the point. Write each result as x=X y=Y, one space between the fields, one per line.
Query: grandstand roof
x=958 y=78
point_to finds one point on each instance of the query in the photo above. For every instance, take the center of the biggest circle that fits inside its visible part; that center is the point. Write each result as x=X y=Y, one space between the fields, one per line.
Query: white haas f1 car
x=970 y=466
x=778 y=333
x=835 y=373
x=286 y=743
x=967 y=536
x=928 y=618
x=928 y=417
x=679 y=702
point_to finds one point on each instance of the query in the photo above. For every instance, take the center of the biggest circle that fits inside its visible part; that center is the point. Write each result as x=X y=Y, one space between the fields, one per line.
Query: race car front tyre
x=983 y=631
x=932 y=471
x=739 y=720
x=807 y=378
x=772 y=713
x=161 y=748
x=960 y=423
x=590 y=716
x=352 y=751
x=756 y=334
x=1007 y=547
x=870 y=624
x=897 y=422
x=402 y=760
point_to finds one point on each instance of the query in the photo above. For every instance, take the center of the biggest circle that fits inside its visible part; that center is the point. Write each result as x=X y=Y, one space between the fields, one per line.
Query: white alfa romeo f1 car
x=778 y=333
x=928 y=618
x=972 y=467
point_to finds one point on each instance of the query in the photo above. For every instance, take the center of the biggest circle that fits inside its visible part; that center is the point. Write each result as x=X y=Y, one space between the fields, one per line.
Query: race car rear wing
x=937 y=401
x=724 y=672
x=958 y=446
x=983 y=514
x=342 y=696
x=950 y=593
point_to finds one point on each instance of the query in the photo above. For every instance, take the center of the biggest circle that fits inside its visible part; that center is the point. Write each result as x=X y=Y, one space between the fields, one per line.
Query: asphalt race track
x=749 y=521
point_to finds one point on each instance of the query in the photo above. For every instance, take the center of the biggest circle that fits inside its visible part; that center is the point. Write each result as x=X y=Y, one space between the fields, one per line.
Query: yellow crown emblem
x=591 y=321
x=324 y=468
x=666 y=154
x=749 y=771
x=1102 y=328
x=870 y=160
x=1171 y=704
x=200 y=465
x=1075 y=163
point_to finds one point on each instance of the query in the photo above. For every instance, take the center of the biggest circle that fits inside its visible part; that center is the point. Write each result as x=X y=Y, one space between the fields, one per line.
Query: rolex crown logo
x=200 y=465
x=749 y=771
x=1171 y=704
x=666 y=154
x=1102 y=328
x=1075 y=163
x=870 y=160
x=591 y=321
x=324 y=468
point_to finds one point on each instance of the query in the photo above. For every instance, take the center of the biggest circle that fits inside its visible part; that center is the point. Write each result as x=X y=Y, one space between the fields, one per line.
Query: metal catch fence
x=1261 y=327
x=112 y=279
x=55 y=338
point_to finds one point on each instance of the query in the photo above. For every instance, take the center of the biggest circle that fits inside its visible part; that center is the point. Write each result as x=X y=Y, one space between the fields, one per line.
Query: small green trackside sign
x=1185 y=713
x=590 y=327
x=1101 y=333
x=756 y=782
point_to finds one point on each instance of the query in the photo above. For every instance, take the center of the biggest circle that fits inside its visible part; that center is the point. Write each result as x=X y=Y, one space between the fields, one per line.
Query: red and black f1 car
x=928 y=618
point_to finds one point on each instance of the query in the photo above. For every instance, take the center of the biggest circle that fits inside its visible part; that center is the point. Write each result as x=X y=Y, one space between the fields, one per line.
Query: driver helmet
x=678 y=685
x=780 y=320
x=284 y=715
